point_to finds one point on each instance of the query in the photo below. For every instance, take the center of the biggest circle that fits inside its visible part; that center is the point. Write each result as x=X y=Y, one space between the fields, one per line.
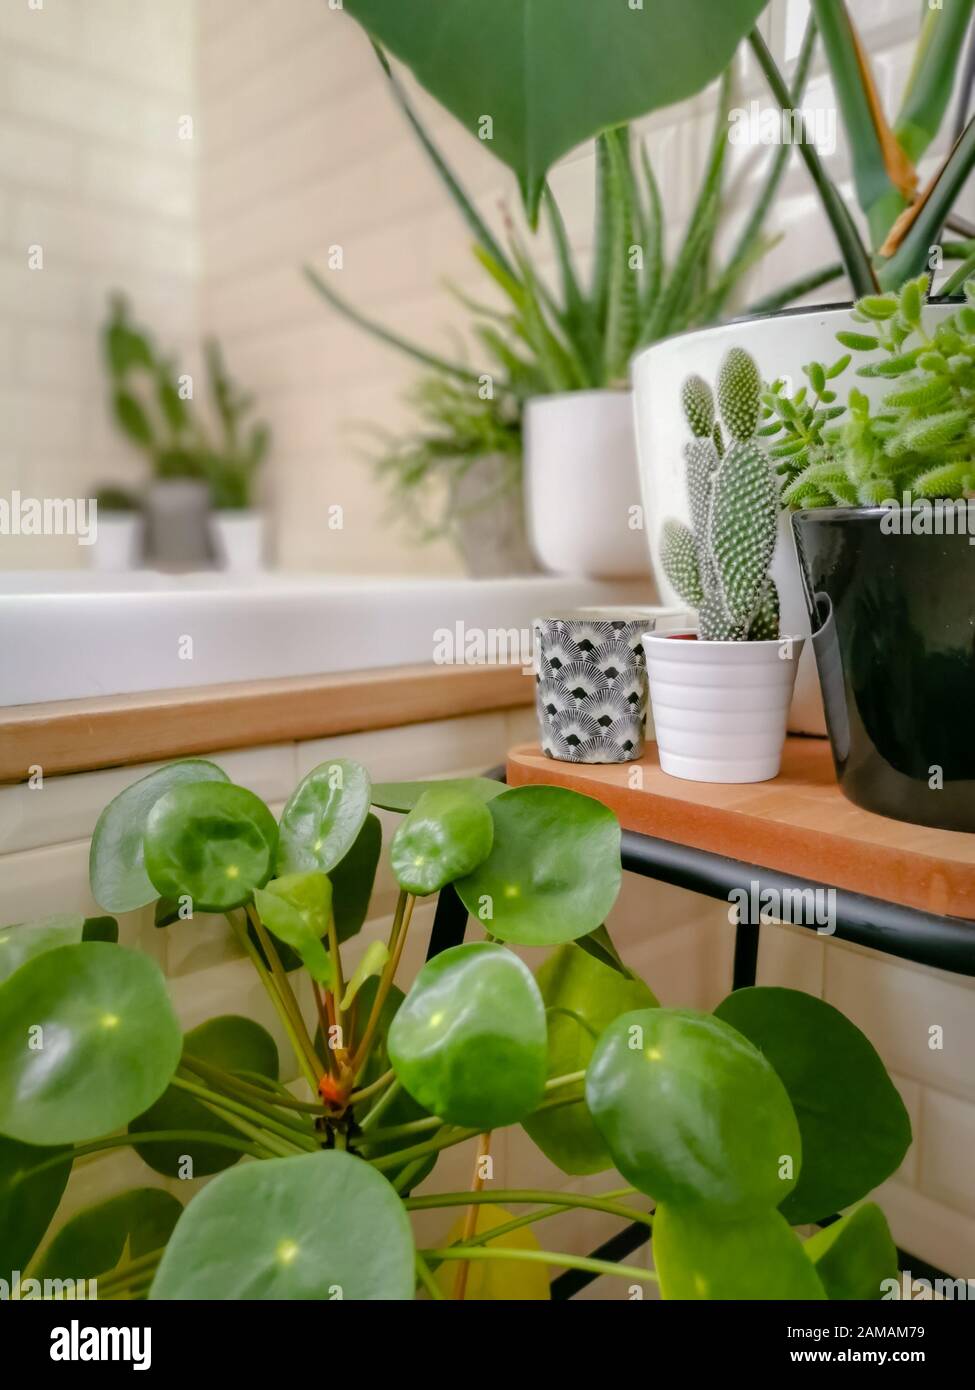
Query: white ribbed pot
x=118 y=541
x=582 y=485
x=238 y=540
x=720 y=708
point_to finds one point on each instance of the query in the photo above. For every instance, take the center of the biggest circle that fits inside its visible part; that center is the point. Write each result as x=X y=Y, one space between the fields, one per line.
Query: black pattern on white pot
x=591 y=688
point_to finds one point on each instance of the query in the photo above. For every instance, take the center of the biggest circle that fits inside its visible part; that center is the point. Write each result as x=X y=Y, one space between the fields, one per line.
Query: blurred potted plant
x=737 y=1124
x=562 y=357
x=721 y=695
x=118 y=542
x=154 y=407
x=883 y=492
x=459 y=476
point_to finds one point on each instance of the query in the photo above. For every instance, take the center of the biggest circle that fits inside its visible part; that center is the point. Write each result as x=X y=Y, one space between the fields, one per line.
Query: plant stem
x=379 y=1084
x=470 y=1217
x=515 y=1196
x=122 y=1141
x=280 y=976
x=132 y=1272
x=310 y=1073
x=397 y=939
x=427 y=1279
x=273 y=1094
x=550 y=1257
x=424 y=1126
x=567 y=1080
x=261 y=1110
x=432 y=1146
x=533 y=1217
x=381 y=1105
x=254 y=1118
x=408 y=1174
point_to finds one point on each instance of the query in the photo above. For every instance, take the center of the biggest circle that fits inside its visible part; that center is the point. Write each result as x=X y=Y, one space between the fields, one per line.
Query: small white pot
x=720 y=708
x=238 y=540
x=118 y=541
x=582 y=485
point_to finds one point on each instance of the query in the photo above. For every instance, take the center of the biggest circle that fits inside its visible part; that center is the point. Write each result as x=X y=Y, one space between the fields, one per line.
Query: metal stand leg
x=449 y=923
x=746 y=955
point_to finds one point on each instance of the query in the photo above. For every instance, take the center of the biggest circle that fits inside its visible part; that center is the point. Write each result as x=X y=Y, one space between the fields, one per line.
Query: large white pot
x=118 y=541
x=582 y=485
x=781 y=344
x=719 y=708
x=238 y=540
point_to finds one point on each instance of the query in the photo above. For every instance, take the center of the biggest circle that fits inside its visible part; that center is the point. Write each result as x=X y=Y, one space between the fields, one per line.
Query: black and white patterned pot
x=591 y=687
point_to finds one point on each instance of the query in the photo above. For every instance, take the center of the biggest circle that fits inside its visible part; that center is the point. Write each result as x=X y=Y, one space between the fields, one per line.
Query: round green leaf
x=88 y=1039
x=855 y=1129
x=446 y=835
x=233 y=1044
x=582 y=997
x=468 y=1042
x=94 y=1241
x=28 y=1200
x=403 y=796
x=296 y=909
x=24 y=940
x=213 y=842
x=554 y=869
x=321 y=821
x=116 y=865
x=855 y=1255
x=697 y=1256
x=321 y=1226
x=692 y=1112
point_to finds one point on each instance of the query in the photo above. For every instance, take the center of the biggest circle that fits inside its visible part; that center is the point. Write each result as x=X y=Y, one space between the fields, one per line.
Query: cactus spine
x=719 y=565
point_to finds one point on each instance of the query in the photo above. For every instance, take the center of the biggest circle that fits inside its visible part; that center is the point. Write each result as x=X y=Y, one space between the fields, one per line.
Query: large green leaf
x=28 y=1200
x=468 y=1042
x=322 y=1226
x=323 y=818
x=88 y=1039
x=232 y=1043
x=296 y=908
x=554 y=869
x=94 y=1241
x=212 y=842
x=855 y=1255
x=529 y=64
x=692 y=1112
x=353 y=878
x=116 y=865
x=25 y=940
x=403 y=796
x=700 y=1256
x=582 y=996
x=855 y=1129
x=446 y=835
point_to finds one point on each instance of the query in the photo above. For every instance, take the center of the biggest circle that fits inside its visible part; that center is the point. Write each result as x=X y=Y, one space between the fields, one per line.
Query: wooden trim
x=80 y=735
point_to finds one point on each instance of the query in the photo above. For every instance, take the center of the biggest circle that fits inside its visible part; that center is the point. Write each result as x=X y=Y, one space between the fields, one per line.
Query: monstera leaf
x=534 y=78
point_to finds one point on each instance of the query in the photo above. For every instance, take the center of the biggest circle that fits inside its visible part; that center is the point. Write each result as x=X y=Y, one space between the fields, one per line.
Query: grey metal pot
x=177 y=524
x=485 y=504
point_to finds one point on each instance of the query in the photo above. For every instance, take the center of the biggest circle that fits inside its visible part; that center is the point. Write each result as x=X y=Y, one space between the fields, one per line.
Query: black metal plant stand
x=945 y=943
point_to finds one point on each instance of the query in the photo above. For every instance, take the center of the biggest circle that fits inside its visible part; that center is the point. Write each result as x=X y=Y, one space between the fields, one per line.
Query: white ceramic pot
x=238 y=540
x=582 y=485
x=720 y=708
x=780 y=344
x=118 y=541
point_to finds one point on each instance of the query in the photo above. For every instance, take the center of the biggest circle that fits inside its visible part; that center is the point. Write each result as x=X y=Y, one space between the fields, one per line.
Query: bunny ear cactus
x=719 y=565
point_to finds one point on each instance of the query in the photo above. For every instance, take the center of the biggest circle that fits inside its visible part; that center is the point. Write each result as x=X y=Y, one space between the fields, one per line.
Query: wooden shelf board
x=798 y=824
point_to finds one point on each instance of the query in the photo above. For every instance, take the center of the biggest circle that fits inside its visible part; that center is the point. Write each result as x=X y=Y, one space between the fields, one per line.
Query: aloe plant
x=919 y=442
x=719 y=565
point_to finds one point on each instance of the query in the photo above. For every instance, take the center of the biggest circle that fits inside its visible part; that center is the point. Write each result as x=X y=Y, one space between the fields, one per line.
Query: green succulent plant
x=771 y=1113
x=719 y=565
x=918 y=442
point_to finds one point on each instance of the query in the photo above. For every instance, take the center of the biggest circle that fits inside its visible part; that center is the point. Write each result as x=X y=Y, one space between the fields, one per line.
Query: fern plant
x=720 y=564
x=919 y=442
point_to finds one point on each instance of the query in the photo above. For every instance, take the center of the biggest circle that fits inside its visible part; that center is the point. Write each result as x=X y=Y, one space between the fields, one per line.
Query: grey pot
x=486 y=506
x=177 y=524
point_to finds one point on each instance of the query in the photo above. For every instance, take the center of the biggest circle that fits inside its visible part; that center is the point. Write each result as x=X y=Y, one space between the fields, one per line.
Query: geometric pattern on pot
x=591 y=688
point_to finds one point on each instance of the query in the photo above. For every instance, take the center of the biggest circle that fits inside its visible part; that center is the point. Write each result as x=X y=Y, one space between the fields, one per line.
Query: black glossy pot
x=893 y=620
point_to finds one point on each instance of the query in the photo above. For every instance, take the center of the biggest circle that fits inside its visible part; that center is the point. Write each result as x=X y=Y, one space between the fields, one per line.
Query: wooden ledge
x=80 y=735
x=800 y=823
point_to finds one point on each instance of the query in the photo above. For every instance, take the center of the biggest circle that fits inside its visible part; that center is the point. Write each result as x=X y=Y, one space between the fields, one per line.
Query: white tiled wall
x=297 y=148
